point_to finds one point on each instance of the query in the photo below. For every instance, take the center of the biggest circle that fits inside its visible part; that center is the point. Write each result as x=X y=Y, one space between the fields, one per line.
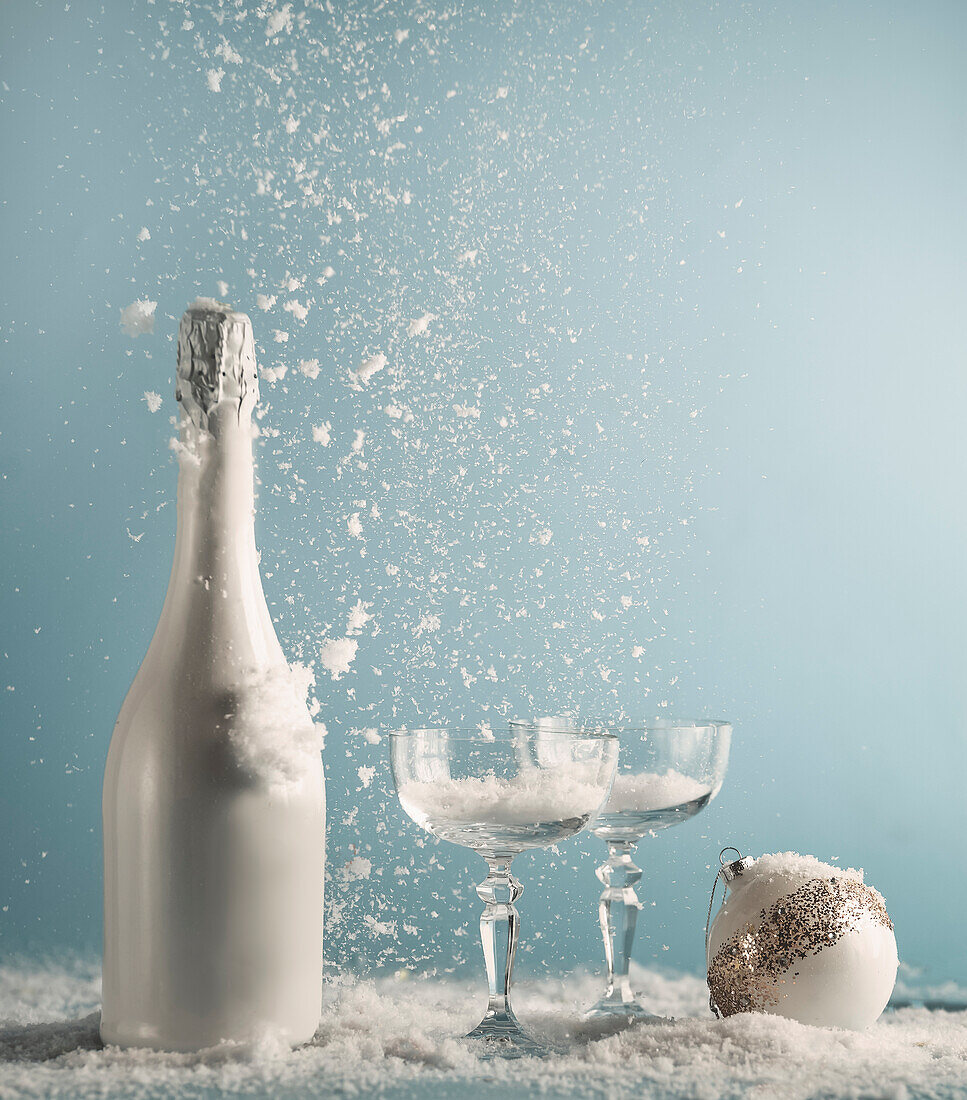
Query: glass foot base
x=506 y=1039
x=621 y=1013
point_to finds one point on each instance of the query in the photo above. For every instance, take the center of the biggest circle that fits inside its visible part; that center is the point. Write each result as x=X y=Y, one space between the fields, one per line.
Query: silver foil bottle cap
x=216 y=360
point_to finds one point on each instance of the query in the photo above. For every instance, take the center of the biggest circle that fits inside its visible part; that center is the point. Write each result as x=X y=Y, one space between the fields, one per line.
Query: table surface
x=397 y=1039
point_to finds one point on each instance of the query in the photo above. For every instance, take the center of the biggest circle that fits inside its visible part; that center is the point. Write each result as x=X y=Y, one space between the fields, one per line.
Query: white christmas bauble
x=798 y=938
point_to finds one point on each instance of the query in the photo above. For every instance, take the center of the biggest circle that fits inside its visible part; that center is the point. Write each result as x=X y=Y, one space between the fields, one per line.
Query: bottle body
x=214 y=800
x=213 y=886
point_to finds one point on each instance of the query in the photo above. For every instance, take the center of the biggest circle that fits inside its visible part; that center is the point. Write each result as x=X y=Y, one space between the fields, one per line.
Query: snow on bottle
x=214 y=803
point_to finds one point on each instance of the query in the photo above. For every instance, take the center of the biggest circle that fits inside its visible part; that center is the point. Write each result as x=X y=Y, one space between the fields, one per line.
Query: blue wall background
x=712 y=340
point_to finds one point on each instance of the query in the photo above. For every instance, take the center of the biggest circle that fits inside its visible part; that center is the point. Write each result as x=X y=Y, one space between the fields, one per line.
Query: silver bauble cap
x=734 y=868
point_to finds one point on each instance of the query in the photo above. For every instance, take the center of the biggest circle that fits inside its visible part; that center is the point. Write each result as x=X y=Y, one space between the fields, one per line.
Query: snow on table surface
x=397 y=1038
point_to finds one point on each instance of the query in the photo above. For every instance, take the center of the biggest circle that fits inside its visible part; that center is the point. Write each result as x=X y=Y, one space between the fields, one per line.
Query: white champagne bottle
x=214 y=803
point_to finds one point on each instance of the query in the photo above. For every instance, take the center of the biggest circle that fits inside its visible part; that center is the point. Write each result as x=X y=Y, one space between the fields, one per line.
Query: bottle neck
x=215 y=613
x=216 y=500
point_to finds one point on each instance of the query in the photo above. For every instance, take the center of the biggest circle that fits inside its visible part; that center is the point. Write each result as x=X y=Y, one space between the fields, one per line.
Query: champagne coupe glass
x=669 y=769
x=502 y=792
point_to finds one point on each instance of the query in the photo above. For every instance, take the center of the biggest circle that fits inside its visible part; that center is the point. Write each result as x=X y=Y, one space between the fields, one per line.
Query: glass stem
x=618 y=915
x=499 y=929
